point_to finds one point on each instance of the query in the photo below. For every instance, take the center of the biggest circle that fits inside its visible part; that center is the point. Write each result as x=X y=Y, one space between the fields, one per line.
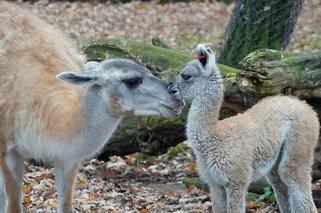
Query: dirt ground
x=138 y=183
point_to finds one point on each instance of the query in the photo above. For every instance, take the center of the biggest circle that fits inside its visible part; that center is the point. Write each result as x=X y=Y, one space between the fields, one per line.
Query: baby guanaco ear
x=206 y=57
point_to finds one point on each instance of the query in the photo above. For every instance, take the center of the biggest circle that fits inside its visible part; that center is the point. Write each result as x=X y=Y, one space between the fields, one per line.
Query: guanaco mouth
x=202 y=57
x=175 y=110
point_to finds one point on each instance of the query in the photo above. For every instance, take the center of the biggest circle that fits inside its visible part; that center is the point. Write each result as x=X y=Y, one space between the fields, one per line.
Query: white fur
x=275 y=138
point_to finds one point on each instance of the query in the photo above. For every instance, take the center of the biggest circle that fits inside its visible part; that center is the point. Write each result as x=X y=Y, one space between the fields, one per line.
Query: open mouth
x=202 y=57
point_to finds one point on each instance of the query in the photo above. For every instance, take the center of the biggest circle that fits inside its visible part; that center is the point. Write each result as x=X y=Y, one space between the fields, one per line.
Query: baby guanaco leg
x=236 y=197
x=280 y=189
x=218 y=198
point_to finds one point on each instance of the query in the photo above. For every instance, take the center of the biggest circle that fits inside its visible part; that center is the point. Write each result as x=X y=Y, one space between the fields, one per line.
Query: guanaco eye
x=132 y=82
x=186 y=77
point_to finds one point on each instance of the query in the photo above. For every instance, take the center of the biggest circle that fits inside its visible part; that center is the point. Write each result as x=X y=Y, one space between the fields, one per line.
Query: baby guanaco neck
x=204 y=112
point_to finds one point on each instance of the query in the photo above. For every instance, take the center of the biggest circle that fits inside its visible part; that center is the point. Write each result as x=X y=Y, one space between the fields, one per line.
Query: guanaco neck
x=82 y=120
x=98 y=123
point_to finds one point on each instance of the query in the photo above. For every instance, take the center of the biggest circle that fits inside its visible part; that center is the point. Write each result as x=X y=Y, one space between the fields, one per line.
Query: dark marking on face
x=116 y=107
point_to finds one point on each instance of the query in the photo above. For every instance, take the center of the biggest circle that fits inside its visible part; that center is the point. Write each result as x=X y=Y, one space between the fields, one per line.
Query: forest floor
x=134 y=183
x=181 y=25
x=138 y=183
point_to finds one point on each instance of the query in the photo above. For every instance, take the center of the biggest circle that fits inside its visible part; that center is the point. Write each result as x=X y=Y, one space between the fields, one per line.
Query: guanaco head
x=126 y=88
x=198 y=76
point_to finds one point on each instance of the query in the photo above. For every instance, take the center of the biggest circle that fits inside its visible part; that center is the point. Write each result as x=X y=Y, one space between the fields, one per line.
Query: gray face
x=128 y=88
x=197 y=75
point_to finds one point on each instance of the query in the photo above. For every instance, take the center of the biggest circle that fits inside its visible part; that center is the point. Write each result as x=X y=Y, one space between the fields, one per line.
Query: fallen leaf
x=143 y=211
x=26 y=188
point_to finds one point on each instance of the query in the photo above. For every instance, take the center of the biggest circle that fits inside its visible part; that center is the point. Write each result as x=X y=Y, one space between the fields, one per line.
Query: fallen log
x=262 y=73
x=151 y=135
x=269 y=72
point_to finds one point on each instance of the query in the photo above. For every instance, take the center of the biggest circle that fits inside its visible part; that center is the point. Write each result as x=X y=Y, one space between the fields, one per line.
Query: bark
x=258 y=24
x=265 y=72
x=270 y=72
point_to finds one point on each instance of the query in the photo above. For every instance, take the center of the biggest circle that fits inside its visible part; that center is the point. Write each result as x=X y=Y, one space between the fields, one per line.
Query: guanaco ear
x=78 y=78
x=206 y=57
x=91 y=65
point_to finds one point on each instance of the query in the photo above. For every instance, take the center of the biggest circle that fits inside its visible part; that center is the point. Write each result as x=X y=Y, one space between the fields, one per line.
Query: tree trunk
x=265 y=72
x=256 y=25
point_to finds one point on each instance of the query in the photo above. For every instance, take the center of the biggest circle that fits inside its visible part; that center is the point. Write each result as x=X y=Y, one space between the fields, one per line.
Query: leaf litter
x=134 y=183
x=155 y=184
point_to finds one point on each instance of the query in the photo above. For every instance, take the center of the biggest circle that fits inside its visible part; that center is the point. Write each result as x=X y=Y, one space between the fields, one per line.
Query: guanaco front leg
x=236 y=198
x=11 y=172
x=65 y=173
x=218 y=198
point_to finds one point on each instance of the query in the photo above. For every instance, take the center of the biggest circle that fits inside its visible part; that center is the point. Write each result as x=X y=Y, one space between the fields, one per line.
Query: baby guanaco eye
x=132 y=82
x=185 y=76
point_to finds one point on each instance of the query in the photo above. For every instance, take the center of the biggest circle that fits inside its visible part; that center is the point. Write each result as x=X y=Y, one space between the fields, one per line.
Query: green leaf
x=196 y=182
x=250 y=196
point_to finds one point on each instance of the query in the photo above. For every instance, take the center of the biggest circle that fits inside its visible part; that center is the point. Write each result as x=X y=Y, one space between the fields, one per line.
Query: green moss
x=268 y=195
x=195 y=181
x=141 y=158
x=163 y=62
x=250 y=196
x=174 y=151
x=157 y=59
x=256 y=25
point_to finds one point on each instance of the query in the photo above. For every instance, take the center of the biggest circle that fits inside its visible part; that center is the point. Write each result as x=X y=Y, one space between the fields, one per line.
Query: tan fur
x=9 y=186
x=70 y=182
x=42 y=117
x=33 y=50
x=32 y=53
x=245 y=145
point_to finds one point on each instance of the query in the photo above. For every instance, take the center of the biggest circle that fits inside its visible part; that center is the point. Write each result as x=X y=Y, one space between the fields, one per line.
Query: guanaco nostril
x=171 y=88
x=173 y=91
